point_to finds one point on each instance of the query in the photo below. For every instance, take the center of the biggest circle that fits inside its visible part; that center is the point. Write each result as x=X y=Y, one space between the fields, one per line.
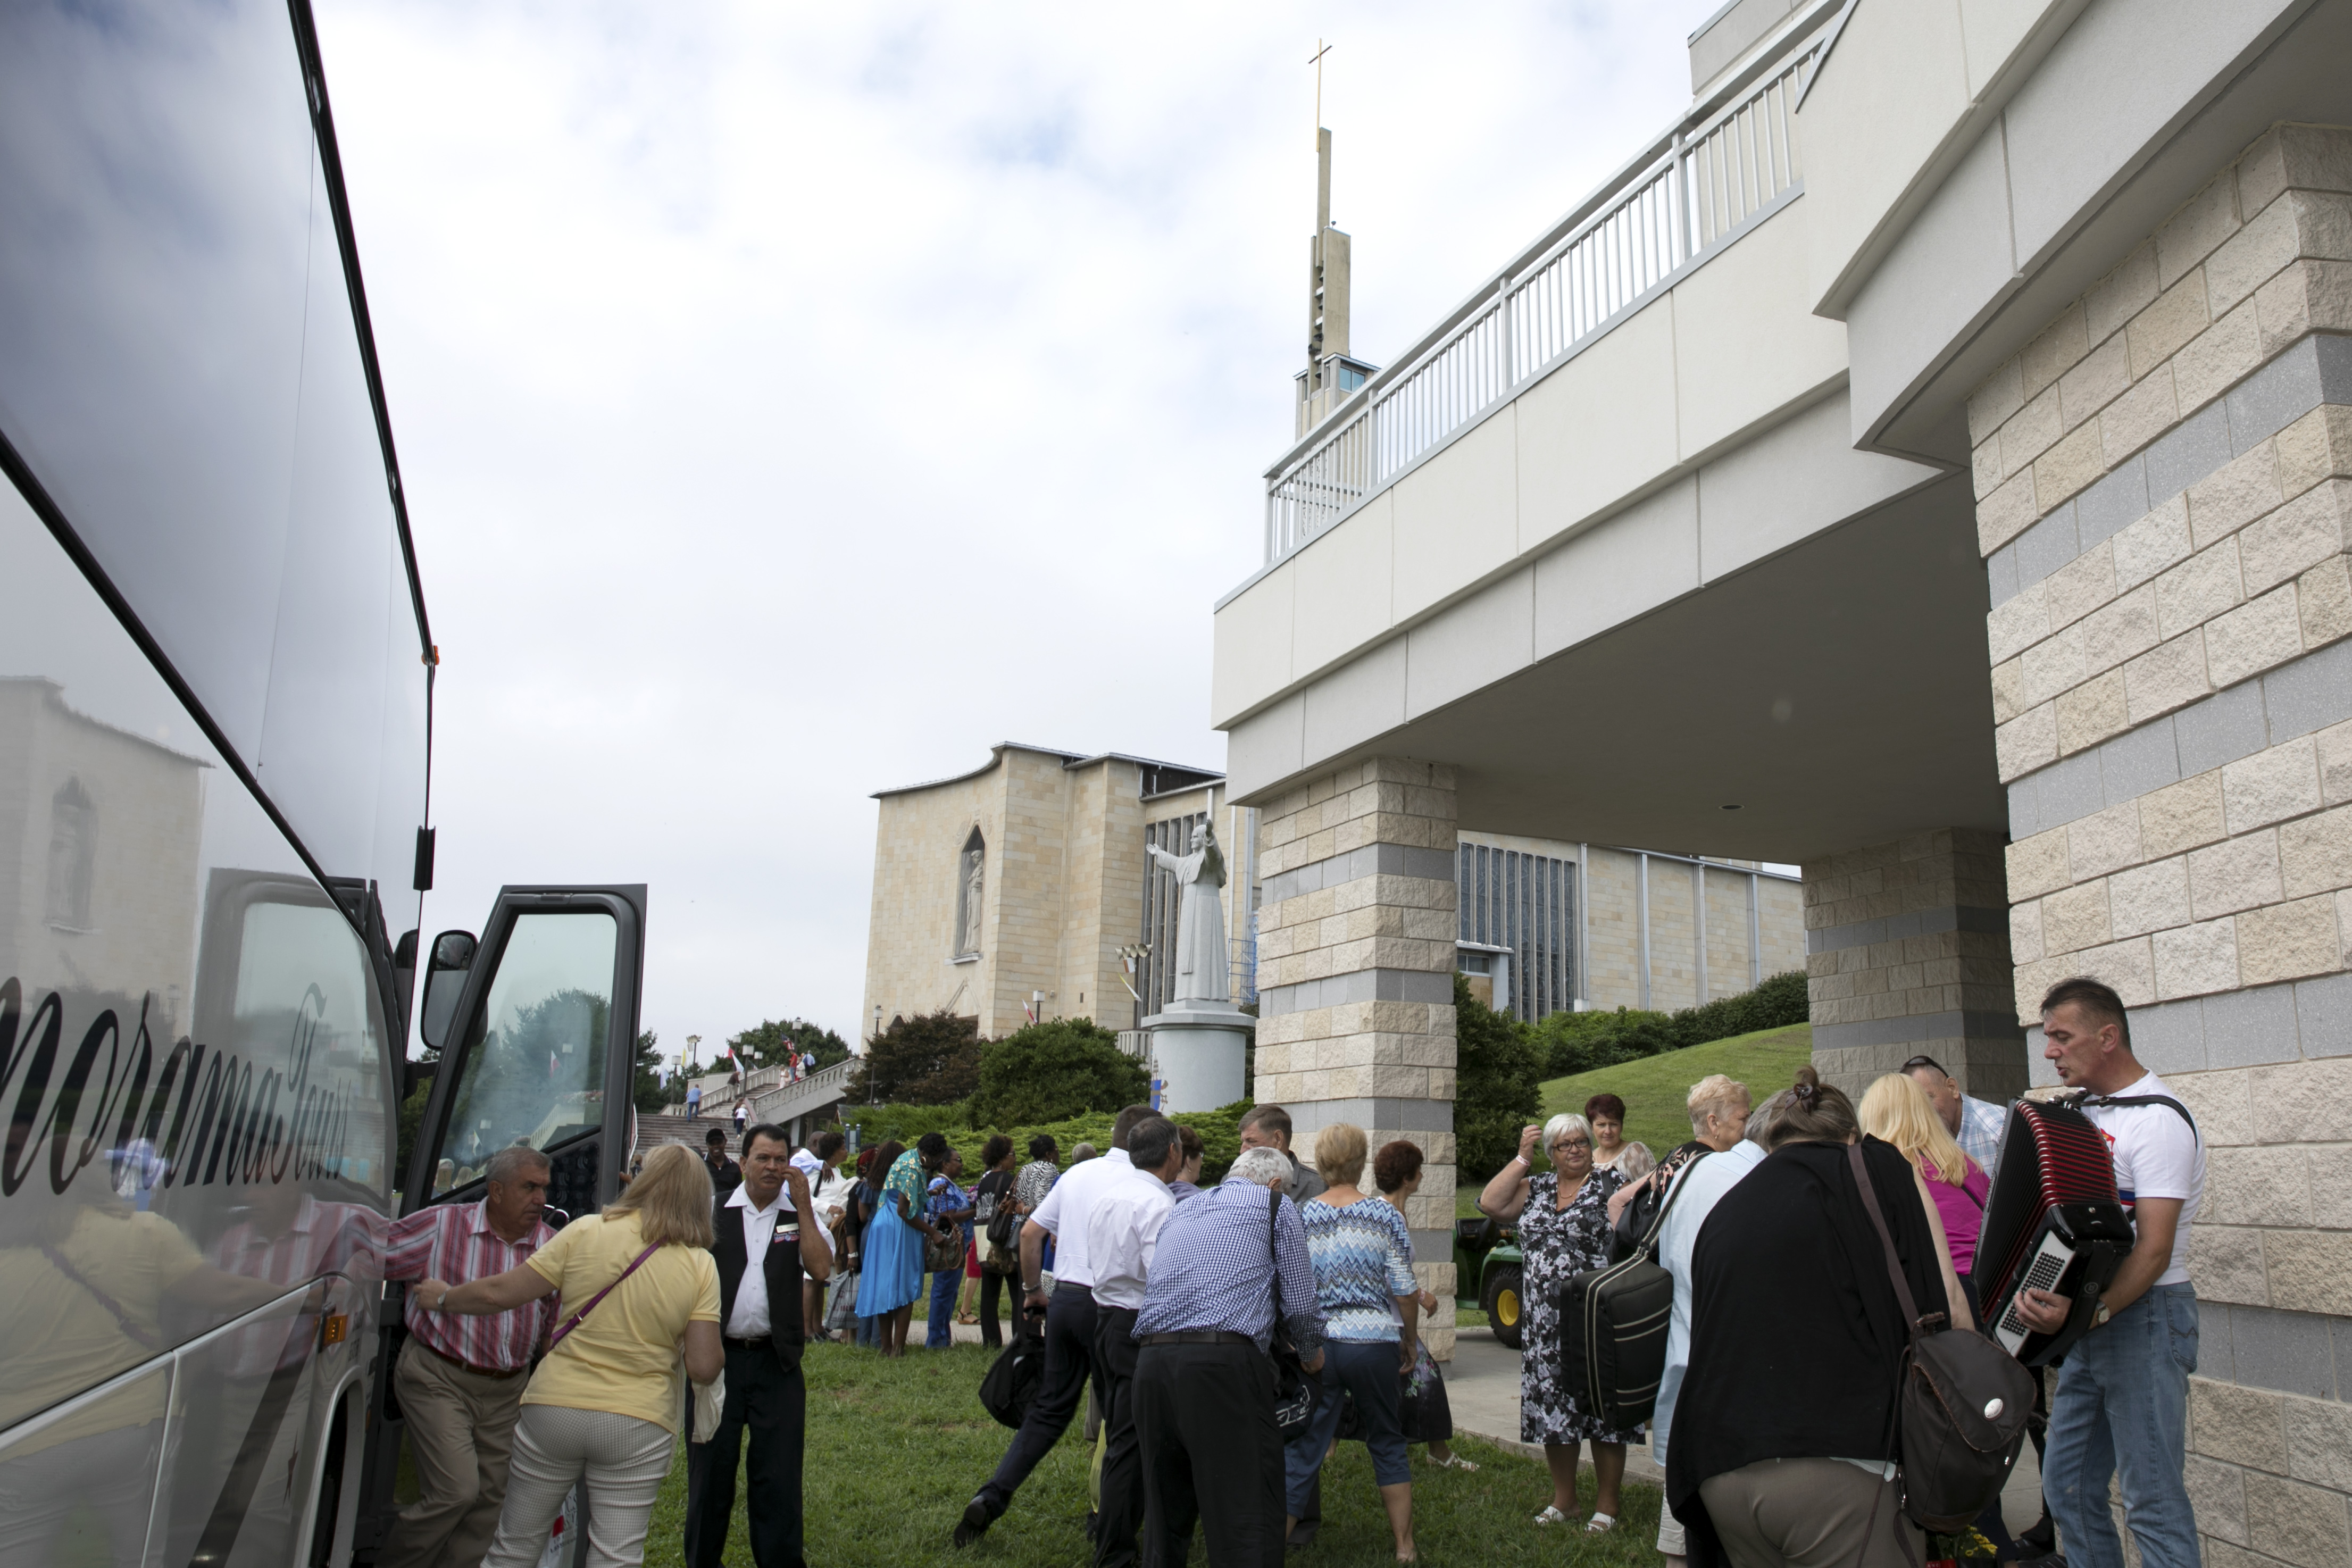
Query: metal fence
x=1691 y=194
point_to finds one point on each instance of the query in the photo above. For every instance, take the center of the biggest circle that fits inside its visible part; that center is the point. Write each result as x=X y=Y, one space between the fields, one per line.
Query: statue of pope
x=1202 y=966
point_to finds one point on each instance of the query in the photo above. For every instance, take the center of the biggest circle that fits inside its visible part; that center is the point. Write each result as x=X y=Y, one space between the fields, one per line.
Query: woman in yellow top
x=606 y=1398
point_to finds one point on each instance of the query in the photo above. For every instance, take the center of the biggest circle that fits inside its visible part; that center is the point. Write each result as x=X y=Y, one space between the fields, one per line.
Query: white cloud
x=794 y=400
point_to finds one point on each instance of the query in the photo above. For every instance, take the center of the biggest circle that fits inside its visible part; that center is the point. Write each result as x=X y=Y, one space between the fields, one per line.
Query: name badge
x=785 y=1233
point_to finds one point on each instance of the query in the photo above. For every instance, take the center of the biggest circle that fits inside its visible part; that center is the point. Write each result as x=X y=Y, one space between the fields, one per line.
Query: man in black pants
x=1204 y=1384
x=764 y=1234
x=1069 y=1317
x=1121 y=1236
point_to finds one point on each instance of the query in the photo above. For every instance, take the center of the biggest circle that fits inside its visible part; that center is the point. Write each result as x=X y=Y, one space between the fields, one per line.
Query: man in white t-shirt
x=2122 y=1403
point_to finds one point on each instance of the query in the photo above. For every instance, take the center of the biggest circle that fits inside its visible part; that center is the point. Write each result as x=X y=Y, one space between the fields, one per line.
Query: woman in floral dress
x=1562 y=1216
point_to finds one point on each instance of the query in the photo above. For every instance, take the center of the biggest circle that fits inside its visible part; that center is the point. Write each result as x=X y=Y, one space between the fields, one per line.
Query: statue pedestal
x=1199 y=1050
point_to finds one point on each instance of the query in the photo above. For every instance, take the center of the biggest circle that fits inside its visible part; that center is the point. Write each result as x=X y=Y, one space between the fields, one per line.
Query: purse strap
x=1273 y=1254
x=1674 y=1191
x=573 y=1321
x=1911 y=1318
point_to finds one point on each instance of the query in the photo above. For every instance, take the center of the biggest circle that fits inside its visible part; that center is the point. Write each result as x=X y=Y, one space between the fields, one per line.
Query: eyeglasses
x=1917 y=1062
x=1573 y=1143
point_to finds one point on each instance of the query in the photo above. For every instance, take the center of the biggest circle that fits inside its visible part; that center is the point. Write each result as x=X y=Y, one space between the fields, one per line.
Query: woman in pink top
x=1896 y=1110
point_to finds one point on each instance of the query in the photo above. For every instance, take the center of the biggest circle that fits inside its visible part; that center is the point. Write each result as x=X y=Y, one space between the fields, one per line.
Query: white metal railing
x=782 y=1102
x=1686 y=195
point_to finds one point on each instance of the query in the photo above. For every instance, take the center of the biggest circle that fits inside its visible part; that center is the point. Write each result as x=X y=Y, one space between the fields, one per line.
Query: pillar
x=1908 y=950
x=2171 y=651
x=1356 y=959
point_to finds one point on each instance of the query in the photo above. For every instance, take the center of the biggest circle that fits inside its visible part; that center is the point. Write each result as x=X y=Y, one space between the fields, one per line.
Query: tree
x=933 y=1059
x=764 y=1046
x=1055 y=1070
x=1495 y=1092
x=650 y=1093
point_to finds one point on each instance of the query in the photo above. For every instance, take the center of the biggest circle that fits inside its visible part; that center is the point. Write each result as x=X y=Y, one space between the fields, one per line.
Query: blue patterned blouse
x=1363 y=1262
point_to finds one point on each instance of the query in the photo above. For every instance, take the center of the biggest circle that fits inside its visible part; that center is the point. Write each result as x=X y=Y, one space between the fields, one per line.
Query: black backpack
x=1613 y=1324
x=1961 y=1407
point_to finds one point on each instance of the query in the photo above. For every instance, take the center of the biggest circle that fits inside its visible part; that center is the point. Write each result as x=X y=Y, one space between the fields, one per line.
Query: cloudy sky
x=793 y=400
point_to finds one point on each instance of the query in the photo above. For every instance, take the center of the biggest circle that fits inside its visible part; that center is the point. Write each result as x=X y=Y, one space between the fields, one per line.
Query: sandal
x=1551 y=1516
x=1454 y=1462
x=1599 y=1524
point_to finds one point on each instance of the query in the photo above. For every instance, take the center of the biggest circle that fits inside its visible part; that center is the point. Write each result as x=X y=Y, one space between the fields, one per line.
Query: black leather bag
x=1011 y=1383
x=1612 y=1325
x=1961 y=1408
x=1296 y=1390
x=1641 y=1216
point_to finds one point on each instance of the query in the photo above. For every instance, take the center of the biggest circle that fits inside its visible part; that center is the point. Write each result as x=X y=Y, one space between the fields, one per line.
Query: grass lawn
x=895 y=1449
x=1653 y=1088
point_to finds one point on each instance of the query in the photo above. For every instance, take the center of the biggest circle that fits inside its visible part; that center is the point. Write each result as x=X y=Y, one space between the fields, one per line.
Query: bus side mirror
x=444 y=977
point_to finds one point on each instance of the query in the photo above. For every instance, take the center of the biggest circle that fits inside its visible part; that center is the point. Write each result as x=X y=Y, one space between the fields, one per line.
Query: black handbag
x=1612 y=1325
x=1011 y=1383
x=1640 y=1216
x=1296 y=1390
x=1961 y=1407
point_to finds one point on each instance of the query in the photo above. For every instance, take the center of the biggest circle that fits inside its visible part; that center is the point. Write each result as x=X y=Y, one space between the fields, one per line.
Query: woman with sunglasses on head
x=1562 y=1216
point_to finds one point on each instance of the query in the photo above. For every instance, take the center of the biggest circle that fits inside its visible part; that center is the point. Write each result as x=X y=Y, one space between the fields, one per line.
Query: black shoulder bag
x=1614 y=1324
x=1294 y=1389
x=1961 y=1407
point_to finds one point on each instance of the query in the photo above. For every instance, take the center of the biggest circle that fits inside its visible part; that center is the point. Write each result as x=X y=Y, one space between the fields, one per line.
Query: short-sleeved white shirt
x=2156 y=1155
x=1070 y=1204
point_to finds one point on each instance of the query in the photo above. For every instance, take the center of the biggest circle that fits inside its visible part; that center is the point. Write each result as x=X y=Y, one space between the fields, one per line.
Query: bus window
x=534 y=1054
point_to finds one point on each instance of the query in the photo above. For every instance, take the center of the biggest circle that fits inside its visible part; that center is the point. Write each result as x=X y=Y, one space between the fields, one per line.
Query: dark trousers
x=1204 y=1423
x=992 y=1286
x=1069 y=1363
x=774 y=1404
x=1120 y=1515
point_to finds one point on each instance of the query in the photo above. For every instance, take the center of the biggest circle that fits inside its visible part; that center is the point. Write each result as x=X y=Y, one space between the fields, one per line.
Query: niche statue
x=1201 y=964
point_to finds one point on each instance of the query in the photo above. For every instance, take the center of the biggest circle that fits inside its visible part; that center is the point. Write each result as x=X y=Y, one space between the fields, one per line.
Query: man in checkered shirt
x=460 y=1379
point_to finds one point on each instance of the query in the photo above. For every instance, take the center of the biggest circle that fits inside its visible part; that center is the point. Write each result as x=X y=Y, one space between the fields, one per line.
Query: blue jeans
x=944 y=1284
x=2122 y=1410
x=1370 y=1372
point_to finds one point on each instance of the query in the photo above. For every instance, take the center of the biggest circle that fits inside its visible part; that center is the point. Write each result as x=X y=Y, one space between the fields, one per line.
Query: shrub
x=1579 y=1042
x=1497 y=1071
x=1220 y=1132
x=1053 y=1070
x=933 y=1059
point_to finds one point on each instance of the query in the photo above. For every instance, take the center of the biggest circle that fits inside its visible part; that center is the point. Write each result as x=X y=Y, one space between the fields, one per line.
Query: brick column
x=2164 y=482
x=1907 y=947
x=1355 y=959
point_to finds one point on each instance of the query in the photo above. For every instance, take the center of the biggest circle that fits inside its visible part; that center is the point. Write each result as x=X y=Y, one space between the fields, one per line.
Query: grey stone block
x=2046 y=546
x=2323 y=1011
x=2170 y=1038
x=2274 y=396
x=2139 y=762
x=2038 y=1066
x=2334 y=367
x=2221 y=729
x=2342 y=1329
x=2291 y=1351
x=2070 y=790
x=2310 y=693
x=2193 y=451
x=2245 y=1028
x=2024 y=810
x=2000 y=576
x=2214 y=1354
x=2114 y=501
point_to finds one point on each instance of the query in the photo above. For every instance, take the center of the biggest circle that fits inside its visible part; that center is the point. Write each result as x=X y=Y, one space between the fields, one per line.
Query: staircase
x=653 y=1131
x=772 y=1100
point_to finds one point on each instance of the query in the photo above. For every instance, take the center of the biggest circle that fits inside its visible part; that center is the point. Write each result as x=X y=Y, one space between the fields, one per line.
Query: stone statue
x=1202 y=966
x=974 y=869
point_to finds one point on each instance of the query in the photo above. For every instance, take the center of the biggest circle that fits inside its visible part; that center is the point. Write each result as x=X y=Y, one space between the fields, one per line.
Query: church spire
x=1330 y=374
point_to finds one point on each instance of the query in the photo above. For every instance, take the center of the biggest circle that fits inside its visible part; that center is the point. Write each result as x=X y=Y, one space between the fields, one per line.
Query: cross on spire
x=1316 y=59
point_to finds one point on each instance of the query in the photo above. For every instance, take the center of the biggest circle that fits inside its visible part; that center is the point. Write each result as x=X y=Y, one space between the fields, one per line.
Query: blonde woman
x=640 y=1294
x=1896 y=1110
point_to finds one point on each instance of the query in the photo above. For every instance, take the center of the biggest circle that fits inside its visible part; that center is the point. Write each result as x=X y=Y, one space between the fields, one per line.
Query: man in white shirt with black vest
x=1122 y=1232
x=1069 y=1320
x=2122 y=1403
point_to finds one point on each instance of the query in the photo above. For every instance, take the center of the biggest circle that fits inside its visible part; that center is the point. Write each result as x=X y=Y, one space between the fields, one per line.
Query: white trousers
x=625 y=1461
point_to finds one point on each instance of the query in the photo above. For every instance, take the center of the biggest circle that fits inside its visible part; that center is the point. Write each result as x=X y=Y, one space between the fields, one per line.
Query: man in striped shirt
x=460 y=1379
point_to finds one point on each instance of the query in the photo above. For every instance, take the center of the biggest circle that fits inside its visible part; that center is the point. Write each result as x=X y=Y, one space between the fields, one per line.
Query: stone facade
x=2165 y=498
x=1356 y=956
x=1910 y=956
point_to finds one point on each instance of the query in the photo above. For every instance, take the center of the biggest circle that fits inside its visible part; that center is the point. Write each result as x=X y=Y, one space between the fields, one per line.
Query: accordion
x=2054 y=1224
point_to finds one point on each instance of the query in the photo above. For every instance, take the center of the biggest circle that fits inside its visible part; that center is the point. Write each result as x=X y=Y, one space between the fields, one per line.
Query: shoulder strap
x=1274 y=1247
x=2145 y=1100
x=573 y=1321
x=1885 y=1240
x=1674 y=1191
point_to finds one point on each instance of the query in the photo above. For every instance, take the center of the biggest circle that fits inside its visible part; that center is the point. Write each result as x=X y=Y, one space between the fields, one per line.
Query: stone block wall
x=1909 y=956
x=2165 y=501
x=1356 y=958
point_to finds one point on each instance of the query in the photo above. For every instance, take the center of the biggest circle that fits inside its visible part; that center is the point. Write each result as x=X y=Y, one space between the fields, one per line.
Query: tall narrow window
x=972 y=874
x=73 y=855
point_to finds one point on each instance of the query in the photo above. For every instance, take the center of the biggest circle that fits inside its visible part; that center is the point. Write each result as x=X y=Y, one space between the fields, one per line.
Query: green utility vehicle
x=1490 y=1254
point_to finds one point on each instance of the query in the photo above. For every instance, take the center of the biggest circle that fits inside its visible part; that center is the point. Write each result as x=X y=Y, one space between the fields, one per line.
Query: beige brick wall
x=1393 y=1051
x=2237 y=875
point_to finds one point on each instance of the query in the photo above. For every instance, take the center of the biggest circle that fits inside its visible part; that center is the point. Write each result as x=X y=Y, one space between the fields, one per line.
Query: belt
x=750 y=1343
x=470 y=1366
x=1199 y=1337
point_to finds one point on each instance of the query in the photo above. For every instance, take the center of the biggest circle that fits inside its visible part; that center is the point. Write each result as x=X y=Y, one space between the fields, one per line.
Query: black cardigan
x=1796 y=1339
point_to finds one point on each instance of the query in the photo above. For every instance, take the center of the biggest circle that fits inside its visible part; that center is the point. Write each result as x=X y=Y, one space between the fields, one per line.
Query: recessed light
x=1731 y=808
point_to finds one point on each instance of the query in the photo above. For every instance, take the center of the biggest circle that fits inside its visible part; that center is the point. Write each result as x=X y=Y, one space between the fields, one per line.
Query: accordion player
x=2055 y=1223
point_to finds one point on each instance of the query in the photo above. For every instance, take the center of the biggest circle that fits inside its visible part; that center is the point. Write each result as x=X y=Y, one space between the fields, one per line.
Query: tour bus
x=215 y=726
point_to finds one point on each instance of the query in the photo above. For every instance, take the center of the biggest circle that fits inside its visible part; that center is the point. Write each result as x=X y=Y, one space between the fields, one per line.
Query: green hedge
x=1579 y=1042
x=1220 y=1132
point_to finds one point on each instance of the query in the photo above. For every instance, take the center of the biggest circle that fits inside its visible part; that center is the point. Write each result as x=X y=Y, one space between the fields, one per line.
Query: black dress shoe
x=974 y=1523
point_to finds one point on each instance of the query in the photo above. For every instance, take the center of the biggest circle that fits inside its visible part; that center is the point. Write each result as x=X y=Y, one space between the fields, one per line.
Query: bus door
x=535 y=1026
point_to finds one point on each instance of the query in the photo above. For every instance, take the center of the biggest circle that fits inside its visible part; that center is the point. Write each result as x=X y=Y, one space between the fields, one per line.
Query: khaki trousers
x=460 y=1432
x=1809 y=1513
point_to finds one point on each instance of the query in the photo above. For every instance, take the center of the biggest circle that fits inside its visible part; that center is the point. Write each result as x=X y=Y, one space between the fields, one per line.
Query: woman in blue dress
x=893 y=1273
